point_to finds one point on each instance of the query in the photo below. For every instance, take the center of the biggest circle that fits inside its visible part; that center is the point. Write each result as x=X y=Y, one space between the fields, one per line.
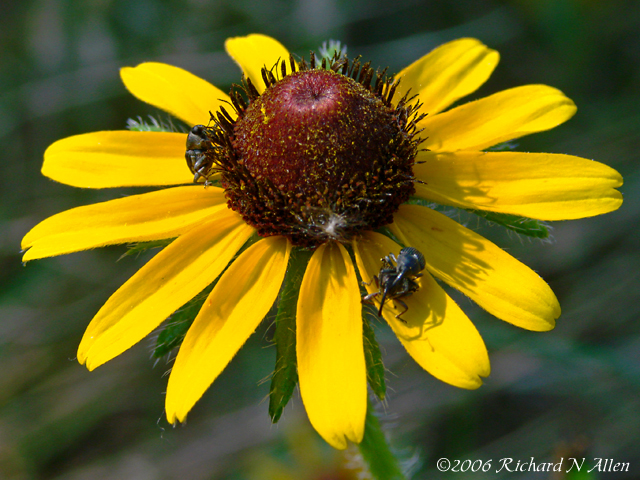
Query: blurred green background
x=574 y=391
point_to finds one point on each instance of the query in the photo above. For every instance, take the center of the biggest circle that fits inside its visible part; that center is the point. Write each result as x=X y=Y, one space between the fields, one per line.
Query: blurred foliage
x=576 y=388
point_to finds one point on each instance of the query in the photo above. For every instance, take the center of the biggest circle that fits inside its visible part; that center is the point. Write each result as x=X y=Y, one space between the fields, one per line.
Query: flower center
x=312 y=129
x=319 y=156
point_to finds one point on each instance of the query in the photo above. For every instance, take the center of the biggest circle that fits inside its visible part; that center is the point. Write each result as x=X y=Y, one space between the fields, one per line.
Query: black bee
x=198 y=142
x=399 y=280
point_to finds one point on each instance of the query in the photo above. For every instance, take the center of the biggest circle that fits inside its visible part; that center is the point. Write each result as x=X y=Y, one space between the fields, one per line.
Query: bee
x=198 y=143
x=397 y=278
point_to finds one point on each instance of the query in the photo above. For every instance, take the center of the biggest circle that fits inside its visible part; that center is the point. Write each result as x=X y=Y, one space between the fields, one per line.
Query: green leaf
x=285 y=374
x=373 y=357
x=522 y=225
x=377 y=452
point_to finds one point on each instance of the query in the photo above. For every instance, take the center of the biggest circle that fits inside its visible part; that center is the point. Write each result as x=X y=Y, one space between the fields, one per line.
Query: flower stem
x=376 y=451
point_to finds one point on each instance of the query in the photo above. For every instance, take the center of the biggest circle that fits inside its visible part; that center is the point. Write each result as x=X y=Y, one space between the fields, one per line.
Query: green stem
x=377 y=452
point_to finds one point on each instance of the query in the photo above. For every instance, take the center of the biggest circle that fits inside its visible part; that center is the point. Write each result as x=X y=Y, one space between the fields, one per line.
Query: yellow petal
x=175 y=91
x=255 y=51
x=447 y=73
x=330 y=351
x=495 y=119
x=237 y=304
x=536 y=185
x=437 y=333
x=118 y=159
x=137 y=218
x=478 y=268
x=164 y=284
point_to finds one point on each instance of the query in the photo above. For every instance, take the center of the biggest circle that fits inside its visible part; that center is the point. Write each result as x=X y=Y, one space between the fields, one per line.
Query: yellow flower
x=452 y=167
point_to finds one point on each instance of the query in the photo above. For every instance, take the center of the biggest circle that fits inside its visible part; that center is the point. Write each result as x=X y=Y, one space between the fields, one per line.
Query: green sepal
x=332 y=50
x=522 y=225
x=139 y=247
x=285 y=374
x=376 y=451
x=373 y=357
x=178 y=324
x=388 y=233
x=503 y=147
x=423 y=203
x=154 y=125
x=372 y=354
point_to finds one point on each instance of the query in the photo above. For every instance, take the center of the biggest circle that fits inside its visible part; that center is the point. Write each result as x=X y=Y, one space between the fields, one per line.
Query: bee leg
x=375 y=279
x=402 y=312
x=369 y=298
x=412 y=287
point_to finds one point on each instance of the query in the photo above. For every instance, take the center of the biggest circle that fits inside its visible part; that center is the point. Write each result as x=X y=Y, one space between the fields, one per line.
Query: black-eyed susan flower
x=329 y=158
